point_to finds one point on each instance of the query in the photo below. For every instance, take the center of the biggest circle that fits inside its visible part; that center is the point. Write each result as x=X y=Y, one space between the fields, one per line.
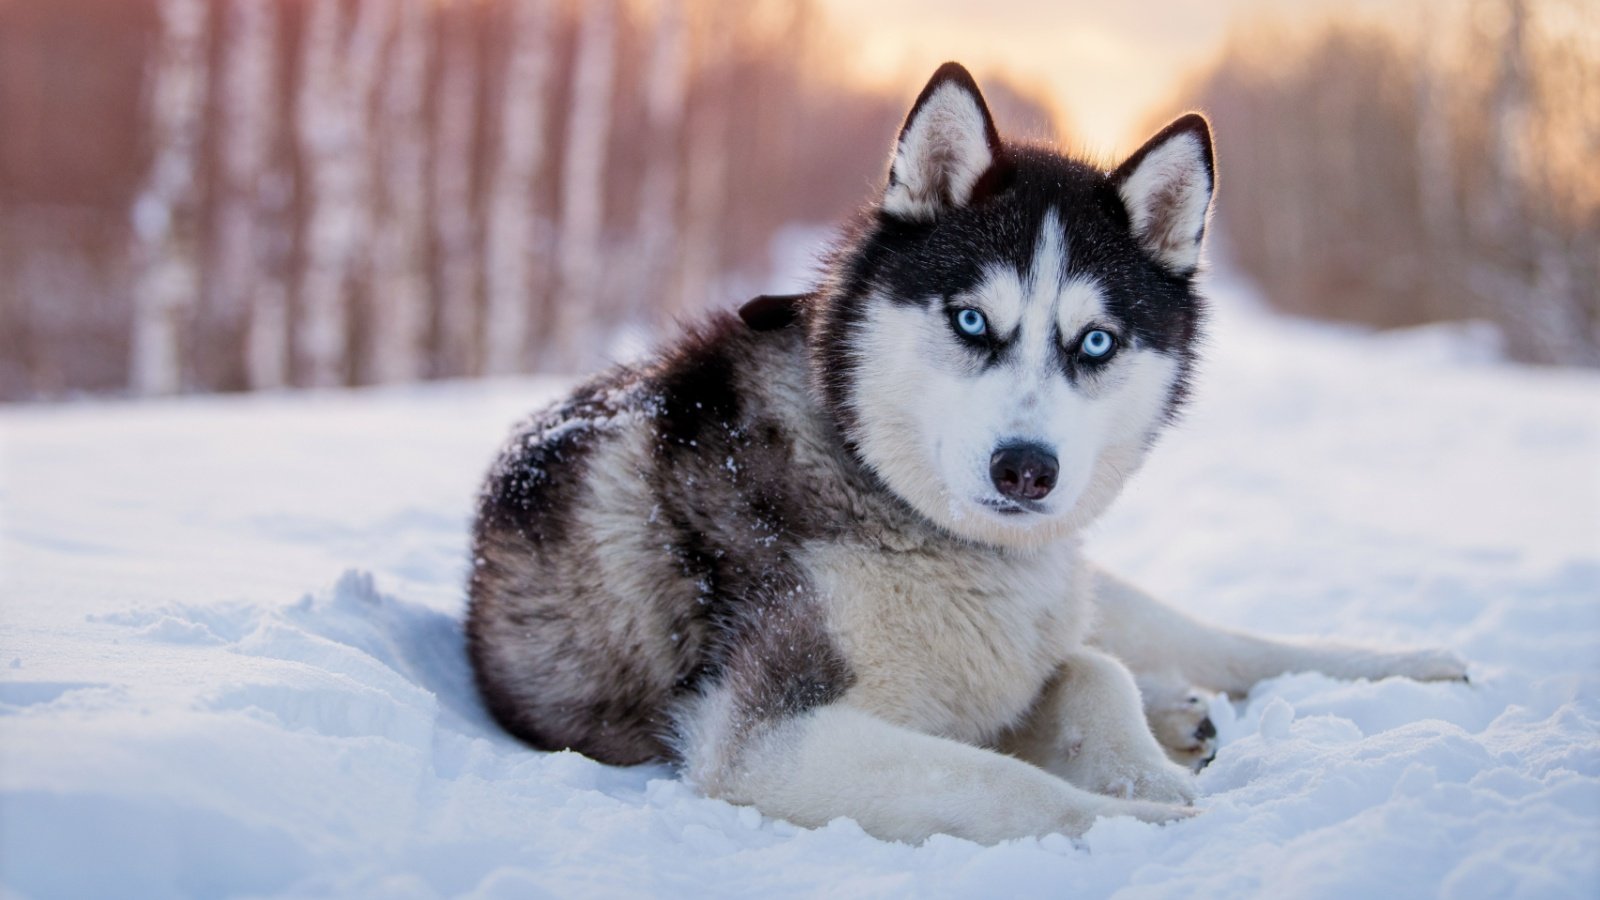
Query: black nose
x=1023 y=471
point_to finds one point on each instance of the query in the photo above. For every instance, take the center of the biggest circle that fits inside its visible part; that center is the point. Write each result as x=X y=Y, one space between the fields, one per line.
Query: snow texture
x=194 y=700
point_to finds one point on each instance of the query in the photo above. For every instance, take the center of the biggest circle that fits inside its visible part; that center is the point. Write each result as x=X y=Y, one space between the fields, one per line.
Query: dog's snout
x=1023 y=471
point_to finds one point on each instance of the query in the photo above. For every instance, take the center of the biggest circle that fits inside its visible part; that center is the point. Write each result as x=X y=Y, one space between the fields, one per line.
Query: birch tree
x=339 y=70
x=398 y=310
x=1508 y=115
x=515 y=232
x=451 y=199
x=578 y=263
x=245 y=293
x=165 y=213
x=1435 y=162
x=666 y=83
x=706 y=169
x=1511 y=234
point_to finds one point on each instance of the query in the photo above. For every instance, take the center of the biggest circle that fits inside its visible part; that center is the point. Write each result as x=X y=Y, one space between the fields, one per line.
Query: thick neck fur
x=827 y=459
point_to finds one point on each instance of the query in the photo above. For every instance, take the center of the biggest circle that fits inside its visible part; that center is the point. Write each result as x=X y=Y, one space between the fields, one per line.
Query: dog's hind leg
x=897 y=784
x=1164 y=646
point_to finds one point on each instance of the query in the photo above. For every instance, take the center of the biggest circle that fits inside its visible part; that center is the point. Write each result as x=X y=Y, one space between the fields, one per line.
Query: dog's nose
x=1023 y=471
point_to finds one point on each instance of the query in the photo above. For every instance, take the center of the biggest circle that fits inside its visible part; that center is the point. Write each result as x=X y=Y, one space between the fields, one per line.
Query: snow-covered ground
x=231 y=662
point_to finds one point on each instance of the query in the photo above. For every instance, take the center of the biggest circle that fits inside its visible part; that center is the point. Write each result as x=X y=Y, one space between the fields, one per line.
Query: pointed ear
x=770 y=312
x=946 y=147
x=1166 y=186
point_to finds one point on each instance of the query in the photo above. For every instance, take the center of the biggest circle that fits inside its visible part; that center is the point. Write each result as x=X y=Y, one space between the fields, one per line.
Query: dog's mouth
x=1006 y=507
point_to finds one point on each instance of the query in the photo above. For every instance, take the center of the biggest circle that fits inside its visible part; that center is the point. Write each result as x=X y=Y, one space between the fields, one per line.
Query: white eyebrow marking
x=1081 y=303
x=1000 y=296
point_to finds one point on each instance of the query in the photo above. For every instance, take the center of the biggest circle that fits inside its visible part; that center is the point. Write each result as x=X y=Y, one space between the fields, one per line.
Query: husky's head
x=1009 y=328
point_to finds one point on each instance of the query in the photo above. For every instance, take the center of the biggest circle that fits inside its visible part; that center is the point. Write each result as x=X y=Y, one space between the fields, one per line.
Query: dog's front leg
x=1157 y=641
x=898 y=784
x=1088 y=726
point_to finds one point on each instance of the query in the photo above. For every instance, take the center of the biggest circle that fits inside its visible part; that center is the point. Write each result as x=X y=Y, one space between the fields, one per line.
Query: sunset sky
x=1108 y=66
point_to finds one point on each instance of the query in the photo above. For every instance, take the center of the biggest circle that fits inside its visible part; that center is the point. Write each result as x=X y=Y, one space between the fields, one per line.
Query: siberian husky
x=822 y=555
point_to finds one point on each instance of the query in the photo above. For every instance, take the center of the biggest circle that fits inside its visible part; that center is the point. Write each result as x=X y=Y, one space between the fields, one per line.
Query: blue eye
x=1098 y=344
x=970 y=322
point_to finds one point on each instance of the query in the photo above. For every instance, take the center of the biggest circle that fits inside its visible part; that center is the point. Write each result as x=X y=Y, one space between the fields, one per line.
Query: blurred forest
x=1387 y=178
x=217 y=195
x=214 y=195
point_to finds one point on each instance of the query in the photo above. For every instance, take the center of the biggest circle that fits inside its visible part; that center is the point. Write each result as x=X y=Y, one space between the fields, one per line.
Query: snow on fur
x=195 y=700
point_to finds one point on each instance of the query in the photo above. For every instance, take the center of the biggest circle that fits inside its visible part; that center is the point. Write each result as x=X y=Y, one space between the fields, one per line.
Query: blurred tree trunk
x=398 y=312
x=578 y=304
x=249 y=301
x=516 y=239
x=455 y=235
x=339 y=72
x=706 y=168
x=1551 y=318
x=1436 y=173
x=666 y=84
x=1508 y=123
x=1537 y=320
x=165 y=214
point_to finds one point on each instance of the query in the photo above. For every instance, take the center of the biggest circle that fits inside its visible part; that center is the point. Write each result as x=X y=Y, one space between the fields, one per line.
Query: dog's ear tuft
x=1166 y=186
x=946 y=147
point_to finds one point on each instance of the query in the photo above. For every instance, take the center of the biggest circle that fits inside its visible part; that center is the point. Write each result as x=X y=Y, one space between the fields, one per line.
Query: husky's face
x=1006 y=337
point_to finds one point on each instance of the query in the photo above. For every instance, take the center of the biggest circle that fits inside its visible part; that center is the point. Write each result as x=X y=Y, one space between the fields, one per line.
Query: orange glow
x=1107 y=69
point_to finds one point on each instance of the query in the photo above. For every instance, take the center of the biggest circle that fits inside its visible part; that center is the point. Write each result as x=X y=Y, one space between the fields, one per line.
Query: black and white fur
x=796 y=553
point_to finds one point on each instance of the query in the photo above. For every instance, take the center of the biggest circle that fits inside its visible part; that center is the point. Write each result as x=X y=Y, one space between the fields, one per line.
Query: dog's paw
x=1149 y=810
x=1424 y=665
x=1182 y=724
x=1157 y=780
x=1083 y=817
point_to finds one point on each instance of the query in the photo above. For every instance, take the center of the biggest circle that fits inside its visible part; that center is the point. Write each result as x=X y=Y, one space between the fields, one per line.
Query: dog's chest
x=957 y=644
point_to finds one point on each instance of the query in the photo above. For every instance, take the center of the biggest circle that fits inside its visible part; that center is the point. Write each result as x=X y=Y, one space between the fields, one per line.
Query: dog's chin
x=1017 y=510
x=1013 y=523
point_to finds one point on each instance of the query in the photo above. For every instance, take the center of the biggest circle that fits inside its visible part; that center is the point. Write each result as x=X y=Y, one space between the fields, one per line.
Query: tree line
x=1395 y=178
x=205 y=195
